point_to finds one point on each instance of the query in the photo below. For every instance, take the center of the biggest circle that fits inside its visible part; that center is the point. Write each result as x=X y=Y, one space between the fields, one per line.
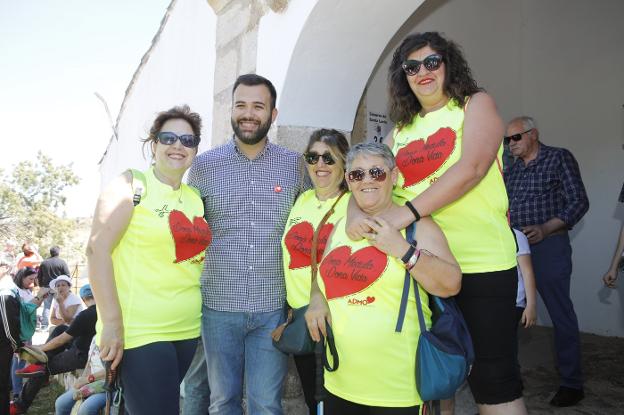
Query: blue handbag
x=445 y=353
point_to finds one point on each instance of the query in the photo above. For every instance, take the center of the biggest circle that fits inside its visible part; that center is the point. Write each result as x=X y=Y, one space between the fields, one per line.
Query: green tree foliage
x=32 y=200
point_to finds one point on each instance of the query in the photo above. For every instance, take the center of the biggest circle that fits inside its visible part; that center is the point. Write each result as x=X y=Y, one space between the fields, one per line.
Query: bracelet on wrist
x=411 y=263
x=91 y=378
x=413 y=210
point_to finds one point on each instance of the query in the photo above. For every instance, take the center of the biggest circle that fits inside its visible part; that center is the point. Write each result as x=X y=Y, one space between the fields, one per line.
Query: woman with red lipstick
x=448 y=146
x=325 y=157
x=145 y=253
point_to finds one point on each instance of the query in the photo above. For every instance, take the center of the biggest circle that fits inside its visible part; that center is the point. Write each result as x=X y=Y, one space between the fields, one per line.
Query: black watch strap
x=405 y=258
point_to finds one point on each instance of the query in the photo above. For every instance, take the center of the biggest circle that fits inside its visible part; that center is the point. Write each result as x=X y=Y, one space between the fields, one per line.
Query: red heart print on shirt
x=345 y=273
x=419 y=159
x=298 y=241
x=190 y=238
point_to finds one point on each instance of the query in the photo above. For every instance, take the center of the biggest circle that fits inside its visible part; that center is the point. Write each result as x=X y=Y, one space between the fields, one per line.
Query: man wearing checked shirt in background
x=248 y=186
x=547 y=198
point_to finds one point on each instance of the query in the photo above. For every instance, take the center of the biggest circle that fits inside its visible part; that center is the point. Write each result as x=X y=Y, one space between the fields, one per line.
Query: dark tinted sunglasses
x=187 y=140
x=431 y=62
x=376 y=173
x=515 y=137
x=312 y=157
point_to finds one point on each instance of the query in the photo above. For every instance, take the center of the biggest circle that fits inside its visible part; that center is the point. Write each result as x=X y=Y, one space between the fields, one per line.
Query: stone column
x=236 y=52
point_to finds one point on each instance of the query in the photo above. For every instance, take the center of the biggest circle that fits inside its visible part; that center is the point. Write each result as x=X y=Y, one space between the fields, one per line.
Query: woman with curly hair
x=448 y=146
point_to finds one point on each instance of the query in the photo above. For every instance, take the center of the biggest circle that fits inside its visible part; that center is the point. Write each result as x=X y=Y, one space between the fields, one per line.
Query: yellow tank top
x=475 y=225
x=304 y=217
x=363 y=287
x=157 y=265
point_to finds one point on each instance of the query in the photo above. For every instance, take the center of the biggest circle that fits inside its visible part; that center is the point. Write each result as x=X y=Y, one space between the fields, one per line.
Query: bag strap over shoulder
x=139 y=185
x=317 y=231
x=410 y=235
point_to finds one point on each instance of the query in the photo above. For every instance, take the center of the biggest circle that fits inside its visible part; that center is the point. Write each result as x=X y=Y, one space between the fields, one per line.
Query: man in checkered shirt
x=546 y=198
x=248 y=186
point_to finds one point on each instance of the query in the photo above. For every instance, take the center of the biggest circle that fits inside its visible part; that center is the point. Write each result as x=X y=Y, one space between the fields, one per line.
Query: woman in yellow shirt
x=447 y=142
x=144 y=266
x=358 y=292
x=325 y=157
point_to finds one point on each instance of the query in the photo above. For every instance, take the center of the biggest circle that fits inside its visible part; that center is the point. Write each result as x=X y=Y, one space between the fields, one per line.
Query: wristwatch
x=91 y=378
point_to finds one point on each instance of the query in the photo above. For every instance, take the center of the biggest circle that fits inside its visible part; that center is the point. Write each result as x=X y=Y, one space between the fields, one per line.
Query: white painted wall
x=179 y=70
x=335 y=54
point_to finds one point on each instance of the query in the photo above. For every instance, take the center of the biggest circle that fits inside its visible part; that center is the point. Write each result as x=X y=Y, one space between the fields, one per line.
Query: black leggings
x=306 y=368
x=151 y=376
x=488 y=303
x=335 y=405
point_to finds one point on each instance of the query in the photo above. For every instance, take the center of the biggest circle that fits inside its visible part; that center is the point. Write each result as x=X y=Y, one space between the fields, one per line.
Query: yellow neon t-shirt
x=303 y=220
x=476 y=225
x=363 y=287
x=157 y=265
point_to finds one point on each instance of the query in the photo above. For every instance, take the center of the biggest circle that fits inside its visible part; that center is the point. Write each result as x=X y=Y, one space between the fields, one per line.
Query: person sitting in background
x=67 y=349
x=50 y=269
x=25 y=282
x=86 y=388
x=66 y=305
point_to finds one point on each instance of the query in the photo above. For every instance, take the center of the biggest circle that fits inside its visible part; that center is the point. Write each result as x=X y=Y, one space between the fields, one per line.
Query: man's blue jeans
x=196 y=387
x=90 y=406
x=239 y=346
x=45 y=315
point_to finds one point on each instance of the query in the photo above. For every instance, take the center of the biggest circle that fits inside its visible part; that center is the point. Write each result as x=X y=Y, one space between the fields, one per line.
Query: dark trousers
x=151 y=376
x=60 y=360
x=552 y=262
x=306 y=368
x=335 y=405
x=6 y=353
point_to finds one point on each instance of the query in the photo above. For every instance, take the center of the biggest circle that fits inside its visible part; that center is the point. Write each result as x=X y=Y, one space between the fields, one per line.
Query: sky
x=54 y=56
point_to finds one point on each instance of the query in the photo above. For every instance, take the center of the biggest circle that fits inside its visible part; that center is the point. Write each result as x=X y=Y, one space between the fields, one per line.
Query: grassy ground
x=44 y=403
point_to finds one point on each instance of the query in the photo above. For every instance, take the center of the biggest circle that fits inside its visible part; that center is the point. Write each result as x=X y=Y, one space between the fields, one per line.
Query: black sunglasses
x=515 y=137
x=312 y=157
x=376 y=173
x=188 y=140
x=431 y=62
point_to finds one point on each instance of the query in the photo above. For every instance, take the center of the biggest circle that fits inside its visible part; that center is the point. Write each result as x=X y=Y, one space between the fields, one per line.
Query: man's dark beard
x=251 y=138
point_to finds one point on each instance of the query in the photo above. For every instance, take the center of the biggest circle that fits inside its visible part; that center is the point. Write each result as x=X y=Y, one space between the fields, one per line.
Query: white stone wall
x=179 y=69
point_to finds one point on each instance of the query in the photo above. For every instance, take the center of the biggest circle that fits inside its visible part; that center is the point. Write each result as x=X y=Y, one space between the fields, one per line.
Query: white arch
x=332 y=59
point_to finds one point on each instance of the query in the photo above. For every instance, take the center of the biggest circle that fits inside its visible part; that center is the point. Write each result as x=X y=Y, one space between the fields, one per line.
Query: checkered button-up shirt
x=246 y=204
x=549 y=186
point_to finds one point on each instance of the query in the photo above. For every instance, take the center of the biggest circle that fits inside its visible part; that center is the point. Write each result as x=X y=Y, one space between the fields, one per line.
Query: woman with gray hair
x=359 y=293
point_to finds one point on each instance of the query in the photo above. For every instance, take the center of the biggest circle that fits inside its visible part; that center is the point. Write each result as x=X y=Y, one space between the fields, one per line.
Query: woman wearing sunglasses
x=359 y=293
x=145 y=253
x=447 y=143
x=325 y=157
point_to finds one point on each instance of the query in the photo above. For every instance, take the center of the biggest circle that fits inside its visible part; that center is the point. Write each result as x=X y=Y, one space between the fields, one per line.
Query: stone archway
x=335 y=53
